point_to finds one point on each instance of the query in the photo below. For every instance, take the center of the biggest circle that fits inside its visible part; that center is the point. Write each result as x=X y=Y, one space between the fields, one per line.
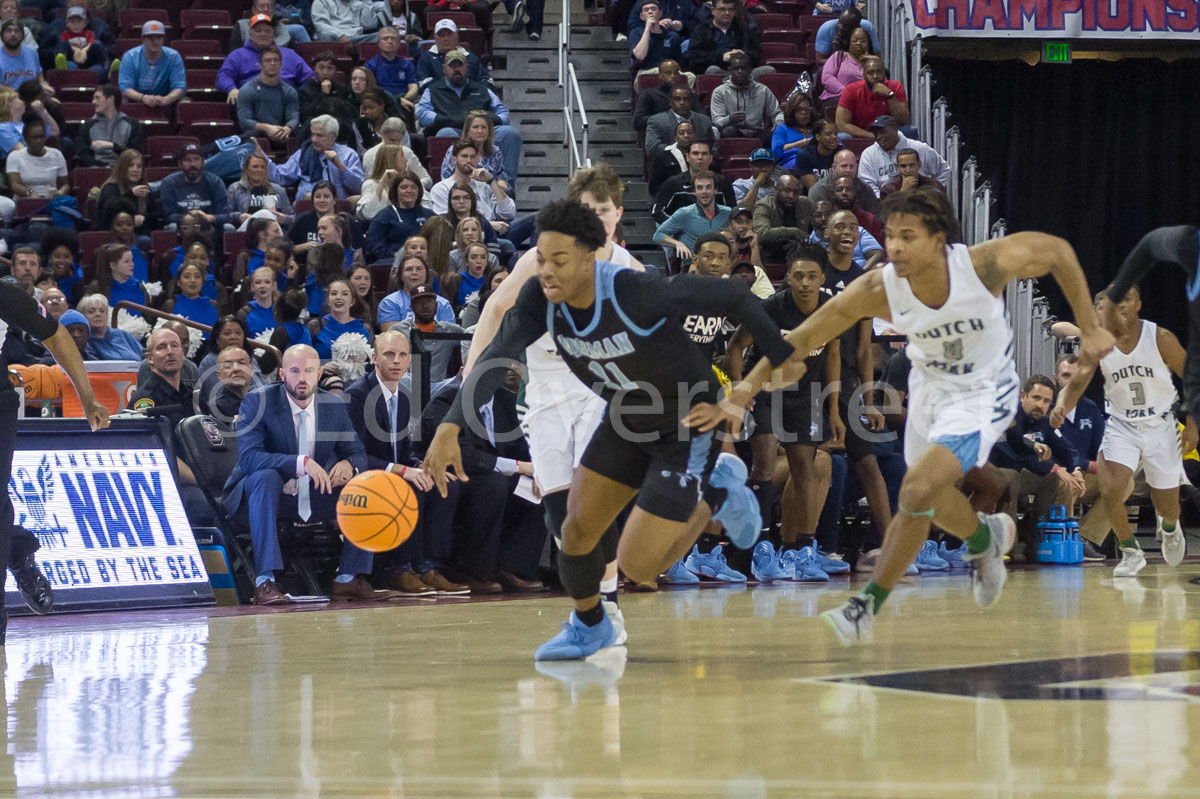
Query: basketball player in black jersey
x=796 y=416
x=20 y=311
x=621 y=333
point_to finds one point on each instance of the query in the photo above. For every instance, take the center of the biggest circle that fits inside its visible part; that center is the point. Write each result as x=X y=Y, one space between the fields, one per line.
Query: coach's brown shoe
x=443 y=586
x=512 y=582
x=269 y=594
x=482 y=586
x=359 y=590
x=409 y=585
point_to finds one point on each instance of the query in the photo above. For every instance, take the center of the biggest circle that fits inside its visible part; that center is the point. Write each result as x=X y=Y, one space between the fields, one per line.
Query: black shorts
x=857 y=447
x=793 y=416
x=669 y=473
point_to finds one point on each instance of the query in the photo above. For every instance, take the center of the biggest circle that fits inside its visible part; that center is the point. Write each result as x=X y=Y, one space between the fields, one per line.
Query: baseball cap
x=76 y=11
x=188 y=149
x=73 y=317
x=884 y=121
x=457 y=54
x=154 y=28
x=761 y=154
x=445 y=25
x=742 y=266
x=741 y=212
x=257 y=18
x=422 y=291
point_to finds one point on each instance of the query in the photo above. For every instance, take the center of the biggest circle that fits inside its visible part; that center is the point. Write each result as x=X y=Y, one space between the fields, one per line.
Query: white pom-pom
x=152 y=289
x=137 y=326
x=352 y=351
x=196 y=340
x=265 y=336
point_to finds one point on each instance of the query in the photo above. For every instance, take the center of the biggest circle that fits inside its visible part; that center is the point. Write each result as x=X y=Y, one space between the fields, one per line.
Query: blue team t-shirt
x=16 y=69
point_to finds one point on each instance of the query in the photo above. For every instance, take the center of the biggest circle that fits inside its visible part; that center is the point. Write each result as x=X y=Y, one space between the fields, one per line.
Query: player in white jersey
x=562 y=412
x=963 y=389
x=1141 y=431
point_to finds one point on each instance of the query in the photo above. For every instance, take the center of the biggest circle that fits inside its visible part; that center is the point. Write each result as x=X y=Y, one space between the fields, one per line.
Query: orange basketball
x=377 y=511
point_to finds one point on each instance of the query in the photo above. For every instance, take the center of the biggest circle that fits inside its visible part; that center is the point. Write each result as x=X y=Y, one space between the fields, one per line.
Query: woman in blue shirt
x=123 y=232
x=400 y=220
x=345 y=316
x=795 y=132
x=189 y=301
x=290 y=329
x=115 y=279
x=326 y=264
x=259 y=313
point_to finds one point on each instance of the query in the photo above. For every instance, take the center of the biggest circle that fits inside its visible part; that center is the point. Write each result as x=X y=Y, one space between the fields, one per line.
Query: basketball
x=377 y=511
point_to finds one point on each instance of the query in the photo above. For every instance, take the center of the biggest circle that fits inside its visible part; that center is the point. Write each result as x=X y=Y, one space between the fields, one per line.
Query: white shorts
x=966 y=420
x=1156 y=448
x=558 y=435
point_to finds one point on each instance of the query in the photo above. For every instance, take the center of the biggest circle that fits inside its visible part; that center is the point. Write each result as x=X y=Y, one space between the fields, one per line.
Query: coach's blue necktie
x=393 y=411
x=303 y=503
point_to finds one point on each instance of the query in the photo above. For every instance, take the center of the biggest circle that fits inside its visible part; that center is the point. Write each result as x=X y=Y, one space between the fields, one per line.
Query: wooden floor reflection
x=1089 y=690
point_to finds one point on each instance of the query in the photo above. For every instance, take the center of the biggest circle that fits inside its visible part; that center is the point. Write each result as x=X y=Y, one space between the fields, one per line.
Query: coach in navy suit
x=380 y=412
x=296 y=449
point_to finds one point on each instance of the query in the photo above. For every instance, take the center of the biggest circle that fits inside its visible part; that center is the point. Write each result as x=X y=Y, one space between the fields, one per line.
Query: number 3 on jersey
x=612 y=376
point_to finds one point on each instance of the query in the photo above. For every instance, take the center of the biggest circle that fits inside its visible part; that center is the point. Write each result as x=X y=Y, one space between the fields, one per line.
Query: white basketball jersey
x=967 y=340
x=1137 y=385
x=550 y=381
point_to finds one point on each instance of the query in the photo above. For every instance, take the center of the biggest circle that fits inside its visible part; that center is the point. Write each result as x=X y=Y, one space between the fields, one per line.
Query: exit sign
x=1056 y=53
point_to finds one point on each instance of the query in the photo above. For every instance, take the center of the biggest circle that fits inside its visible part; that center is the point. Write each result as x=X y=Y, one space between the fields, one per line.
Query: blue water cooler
x=1058 y=538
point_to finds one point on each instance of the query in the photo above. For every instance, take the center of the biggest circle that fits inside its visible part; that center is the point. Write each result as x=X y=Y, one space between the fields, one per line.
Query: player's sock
x=876 y=592
x=592 y=616
x=608 y=590
x=1168 y=528
x=784 y=546
x=764 y=492
x=1131 y=542
x=978 y=541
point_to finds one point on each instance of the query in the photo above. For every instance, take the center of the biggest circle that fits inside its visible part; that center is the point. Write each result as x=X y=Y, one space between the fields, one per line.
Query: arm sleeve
x=717 y=107
x=21 y=311
x=1176 y=245
x=1065 y=455
x=499 y=108
x=225 y=81
x=245 y=114
x=291 y=107
x=125 y=78
x=252 y=436
x=425 y=112
x=178 y=73
x=671 y=226
x=524 y=323
x=695 y=293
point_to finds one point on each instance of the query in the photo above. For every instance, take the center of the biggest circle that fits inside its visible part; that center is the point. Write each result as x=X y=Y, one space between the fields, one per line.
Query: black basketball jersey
x=630 y=346
x=782 y=309
x=836 y=282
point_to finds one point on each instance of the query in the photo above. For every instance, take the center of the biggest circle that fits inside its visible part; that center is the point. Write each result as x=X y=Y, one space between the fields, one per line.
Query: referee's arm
x=20 y=310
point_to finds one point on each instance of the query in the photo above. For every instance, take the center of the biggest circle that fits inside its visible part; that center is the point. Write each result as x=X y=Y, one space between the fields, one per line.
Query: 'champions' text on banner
x=1084 y=19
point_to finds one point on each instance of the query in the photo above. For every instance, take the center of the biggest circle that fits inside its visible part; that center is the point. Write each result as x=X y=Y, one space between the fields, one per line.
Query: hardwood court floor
x=1071 y=687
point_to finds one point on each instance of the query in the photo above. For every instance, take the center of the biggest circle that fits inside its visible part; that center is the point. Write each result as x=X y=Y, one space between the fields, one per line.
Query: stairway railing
x=572 y=99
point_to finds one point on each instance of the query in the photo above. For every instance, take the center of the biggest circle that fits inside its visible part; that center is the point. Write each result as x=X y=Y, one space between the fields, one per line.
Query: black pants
x=498 y=531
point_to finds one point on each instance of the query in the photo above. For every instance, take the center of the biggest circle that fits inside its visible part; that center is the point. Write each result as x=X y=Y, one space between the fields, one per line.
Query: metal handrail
x=170 y=317
x=572 y=96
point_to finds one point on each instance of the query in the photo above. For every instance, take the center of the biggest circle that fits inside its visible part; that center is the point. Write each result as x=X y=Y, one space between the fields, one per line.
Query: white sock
x=262 y=578
x=344 y=578
x=608 y=586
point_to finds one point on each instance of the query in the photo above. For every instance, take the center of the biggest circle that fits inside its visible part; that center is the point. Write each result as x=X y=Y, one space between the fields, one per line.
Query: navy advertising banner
x=110 y=521
x=1177 y=20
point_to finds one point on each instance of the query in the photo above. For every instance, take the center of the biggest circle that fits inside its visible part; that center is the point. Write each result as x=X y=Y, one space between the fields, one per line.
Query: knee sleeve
x=556 y=513
x=581 y=574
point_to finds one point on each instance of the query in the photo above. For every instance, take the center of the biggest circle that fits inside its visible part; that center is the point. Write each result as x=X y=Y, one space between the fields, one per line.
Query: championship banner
x=108 y=515
x=1177 y=20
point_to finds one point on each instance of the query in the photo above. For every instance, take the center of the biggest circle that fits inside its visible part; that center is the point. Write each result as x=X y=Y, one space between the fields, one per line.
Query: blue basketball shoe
x=803 y=565
x=739 y=513
x=679 y=575
x=928 y=559
x=576 y=640
x=765 y=564
x=713 y=565
x=831 y=565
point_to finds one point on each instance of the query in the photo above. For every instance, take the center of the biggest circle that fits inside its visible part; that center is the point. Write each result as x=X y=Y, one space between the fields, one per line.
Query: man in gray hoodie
x=741 y=106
